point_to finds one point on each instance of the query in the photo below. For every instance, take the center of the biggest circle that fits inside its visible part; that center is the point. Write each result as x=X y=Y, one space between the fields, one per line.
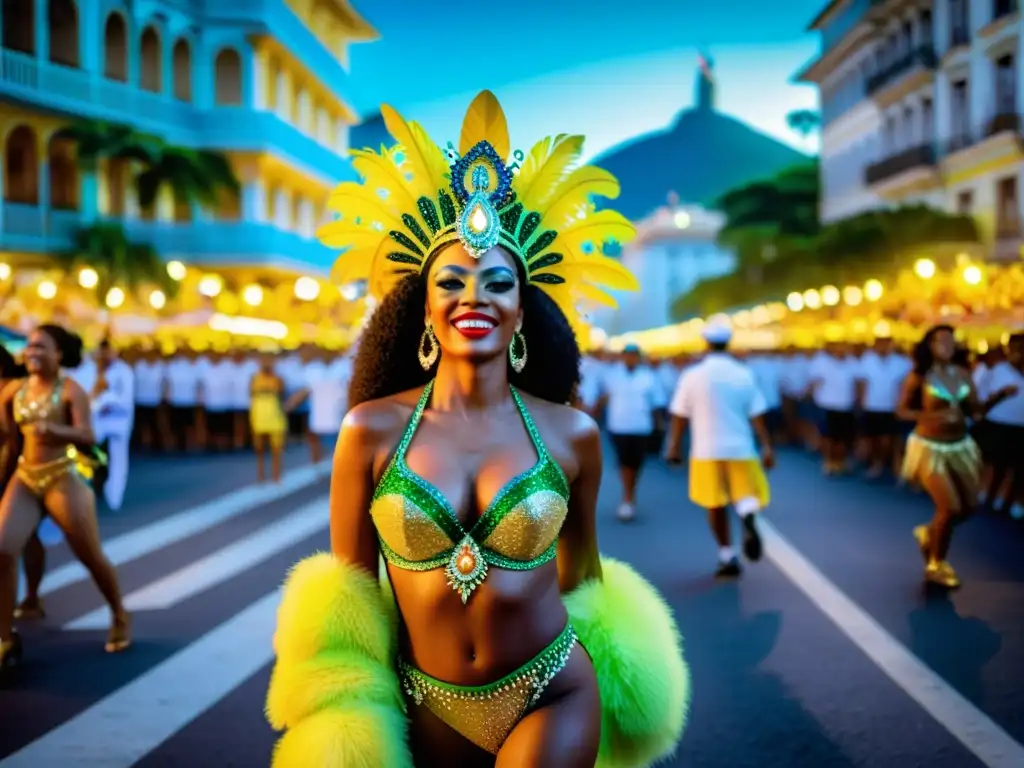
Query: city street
x=828 y=653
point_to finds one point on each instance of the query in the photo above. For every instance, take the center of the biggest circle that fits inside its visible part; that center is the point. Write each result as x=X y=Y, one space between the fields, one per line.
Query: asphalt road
x=830 y=652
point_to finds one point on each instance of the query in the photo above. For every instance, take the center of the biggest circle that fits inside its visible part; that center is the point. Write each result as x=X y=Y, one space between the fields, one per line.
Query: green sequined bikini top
x=419 y=530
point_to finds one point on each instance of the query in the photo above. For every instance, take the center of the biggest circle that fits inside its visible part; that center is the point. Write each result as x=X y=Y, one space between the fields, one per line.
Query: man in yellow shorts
x=720 y=401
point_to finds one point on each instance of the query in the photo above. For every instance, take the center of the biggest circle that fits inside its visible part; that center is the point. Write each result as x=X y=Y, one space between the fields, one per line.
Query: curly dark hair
x=68 y=342
x=387 y=363
x=924 y=360
x=9 y=367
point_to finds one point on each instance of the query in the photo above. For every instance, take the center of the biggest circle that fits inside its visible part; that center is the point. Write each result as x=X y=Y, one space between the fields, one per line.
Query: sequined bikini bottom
x=486 y=714
x=39 y=478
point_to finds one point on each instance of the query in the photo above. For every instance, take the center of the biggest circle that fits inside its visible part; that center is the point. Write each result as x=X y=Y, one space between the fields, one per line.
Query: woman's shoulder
x=570 y=424
x=380 y=416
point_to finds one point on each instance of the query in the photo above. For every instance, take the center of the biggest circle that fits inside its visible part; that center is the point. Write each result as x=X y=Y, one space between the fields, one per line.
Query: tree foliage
x=118 y=261
x=192 y=175
x=773 y=228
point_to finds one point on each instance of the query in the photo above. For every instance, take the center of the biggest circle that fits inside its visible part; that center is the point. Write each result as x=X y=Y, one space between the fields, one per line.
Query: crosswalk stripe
x=218 y=567
x=178 y=527
x=121 y=729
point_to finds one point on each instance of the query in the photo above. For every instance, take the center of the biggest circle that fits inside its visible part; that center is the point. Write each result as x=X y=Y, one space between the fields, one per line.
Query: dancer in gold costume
x=941 y=456
x=497 y=634
x=52 y=414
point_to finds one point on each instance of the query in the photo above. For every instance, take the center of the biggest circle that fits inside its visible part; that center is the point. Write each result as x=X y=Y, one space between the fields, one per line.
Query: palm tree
x=193 y=175
x=803 y=122
x=117 y=261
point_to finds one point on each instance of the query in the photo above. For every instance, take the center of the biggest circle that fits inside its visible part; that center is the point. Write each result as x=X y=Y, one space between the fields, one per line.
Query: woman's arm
x=905 y=409
x=578 y=556
x=352 y=534
x=7 y=426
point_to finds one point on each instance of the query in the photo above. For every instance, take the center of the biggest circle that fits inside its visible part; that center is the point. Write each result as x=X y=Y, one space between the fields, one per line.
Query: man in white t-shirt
x=833 y=380
x=881 y=372
x=1006 y=429
x=631 y=396
x=326 y=392
x=183 y=371
x=150 y=375
x=113 y=416
x=721 y=402
x=217 y=389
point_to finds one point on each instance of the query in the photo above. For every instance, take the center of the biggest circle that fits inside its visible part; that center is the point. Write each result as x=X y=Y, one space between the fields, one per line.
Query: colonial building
x=675 y=248
x=265 y=82
x=920 y=102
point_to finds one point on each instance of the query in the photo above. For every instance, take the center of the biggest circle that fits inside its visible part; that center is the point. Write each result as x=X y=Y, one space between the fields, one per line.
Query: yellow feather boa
x=335 y=693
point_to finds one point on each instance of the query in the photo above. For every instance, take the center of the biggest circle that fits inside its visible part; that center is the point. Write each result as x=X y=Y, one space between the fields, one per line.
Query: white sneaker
x=626 y=512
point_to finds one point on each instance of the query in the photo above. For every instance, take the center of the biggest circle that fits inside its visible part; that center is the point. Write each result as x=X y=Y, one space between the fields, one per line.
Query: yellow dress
x=266 y=416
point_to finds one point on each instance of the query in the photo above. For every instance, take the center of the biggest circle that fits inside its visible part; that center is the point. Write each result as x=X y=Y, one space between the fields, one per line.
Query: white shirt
x=633 y=396
x=116 y=404
x=149 y=382
x=218 y=385
x=241 y=374
x=794 y=376
x=590 y=381
x=292 y=371
x=1011 y=411
x=668 y=376
x=84 y=375
x=719 y=396
x=327 y=384
x=837 y=382
x=182 y=382
x=767 y=372
x=883 y=376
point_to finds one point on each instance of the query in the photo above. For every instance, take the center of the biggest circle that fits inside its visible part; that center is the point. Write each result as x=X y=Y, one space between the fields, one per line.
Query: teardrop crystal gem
x=478 y=220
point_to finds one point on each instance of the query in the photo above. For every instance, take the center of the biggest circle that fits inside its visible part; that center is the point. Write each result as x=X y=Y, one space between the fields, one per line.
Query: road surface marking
x=218 y=567
x=121 y=729
x=993 y=746
x=183 y=525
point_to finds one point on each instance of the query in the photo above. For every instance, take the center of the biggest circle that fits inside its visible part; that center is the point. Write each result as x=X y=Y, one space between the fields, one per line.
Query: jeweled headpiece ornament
x=418 y=197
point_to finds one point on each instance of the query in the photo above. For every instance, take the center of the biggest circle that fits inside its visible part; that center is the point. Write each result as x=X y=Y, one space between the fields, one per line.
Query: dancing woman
x=941 y=456
x=267 y=419
x=51 y=478
x=461 y=464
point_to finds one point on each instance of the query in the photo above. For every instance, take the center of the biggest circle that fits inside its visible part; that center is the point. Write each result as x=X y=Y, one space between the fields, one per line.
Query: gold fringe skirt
x=958 y=464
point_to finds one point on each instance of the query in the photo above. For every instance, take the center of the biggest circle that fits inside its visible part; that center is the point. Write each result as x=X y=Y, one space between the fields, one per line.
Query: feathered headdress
x=417 y=197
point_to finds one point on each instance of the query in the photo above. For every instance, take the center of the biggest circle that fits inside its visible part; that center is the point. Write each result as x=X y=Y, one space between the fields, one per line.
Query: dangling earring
x=518 y=361
x=429 y=349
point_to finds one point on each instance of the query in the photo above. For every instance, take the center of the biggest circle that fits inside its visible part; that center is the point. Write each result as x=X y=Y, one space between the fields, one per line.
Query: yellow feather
x=354 y=264
x=598 y=228
x=384 y=273
x=425 y=160
x=599 y=270
x=574 y=192
x=356 y=201
x=379 y=172
x=343 y=234
x=544 y=168
x=485 y=121
x=596 y=295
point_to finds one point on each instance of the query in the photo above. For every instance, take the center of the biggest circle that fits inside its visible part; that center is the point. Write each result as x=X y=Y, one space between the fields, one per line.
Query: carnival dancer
x=506 y=616
x=941 y=456
x=631 y=398
x=269 y=424
x=52 y=414
x=720 y=401
x=113 y=409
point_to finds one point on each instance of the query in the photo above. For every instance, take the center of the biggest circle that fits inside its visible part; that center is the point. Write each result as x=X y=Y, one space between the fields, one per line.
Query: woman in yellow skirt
x=941 y=456
x=267 y=418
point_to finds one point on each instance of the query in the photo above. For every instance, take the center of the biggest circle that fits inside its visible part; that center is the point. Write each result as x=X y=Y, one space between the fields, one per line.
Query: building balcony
x=908 y=162
x=27 y=79
x=34 y=229
x=904 y=75
x=1004 y=122
x=999 y=134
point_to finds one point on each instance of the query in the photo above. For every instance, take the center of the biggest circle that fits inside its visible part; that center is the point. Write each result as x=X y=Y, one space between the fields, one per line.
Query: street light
x=812 y=299
x=924 y=268
x=88 y=278
x=47 y=289
x=795 y=302
x=210 y=286
x=157 y=300
x=853 y=295
x=176 y=270
x=115 y=297
x=830 y=295
x=972 y=275
x=873 y=290
x=5 y=271
x=307 y=289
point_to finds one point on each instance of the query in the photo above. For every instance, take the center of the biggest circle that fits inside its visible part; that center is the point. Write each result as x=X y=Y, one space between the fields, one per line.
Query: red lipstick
x=474 y=325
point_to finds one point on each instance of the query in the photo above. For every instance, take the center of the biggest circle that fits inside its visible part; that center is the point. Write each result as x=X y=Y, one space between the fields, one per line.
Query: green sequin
x=405 y=241
x=530 y=224
x=547 y=278
x=404 y=258
x=542 y=242
x=544 y=476
x=510 y=217
x=416 y=229
x=548 y=260
x=448 y=213
x=429 y=213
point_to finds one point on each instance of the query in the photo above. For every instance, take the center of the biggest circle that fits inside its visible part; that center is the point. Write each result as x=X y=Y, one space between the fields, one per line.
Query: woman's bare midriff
x=940 y=431
x=508 y=620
